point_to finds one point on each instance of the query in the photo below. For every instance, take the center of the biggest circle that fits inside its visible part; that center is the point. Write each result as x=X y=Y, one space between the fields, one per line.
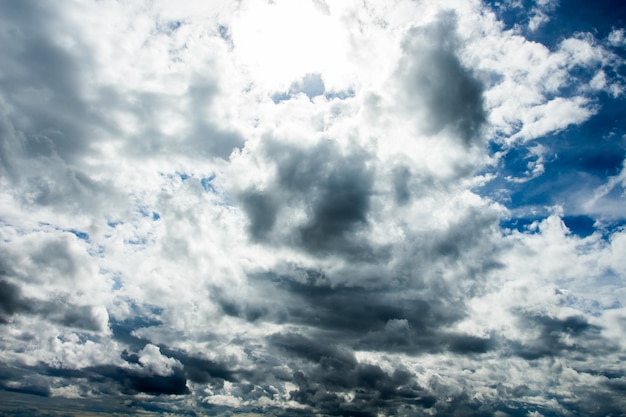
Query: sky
x=313 y=208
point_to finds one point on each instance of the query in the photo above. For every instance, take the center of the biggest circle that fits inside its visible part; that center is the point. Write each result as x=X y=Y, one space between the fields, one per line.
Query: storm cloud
x=437 y=86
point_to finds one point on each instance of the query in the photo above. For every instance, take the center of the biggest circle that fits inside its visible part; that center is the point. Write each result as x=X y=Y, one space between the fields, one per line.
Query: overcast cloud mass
x=313 y=208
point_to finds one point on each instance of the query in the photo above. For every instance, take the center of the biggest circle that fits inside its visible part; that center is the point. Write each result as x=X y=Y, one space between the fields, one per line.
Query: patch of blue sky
x=340 y=95
x=168 y=27
x=137 y=241
x=310 y=85
x=572 y=16
x=143 y=210
x=206 y=183
x=117 y=283
x=116 y=277
x=224 y=33
x=114 y=223
x=567 y=18
x=174 y=25
x=577 y=83
x=280 y=96
x=575 y=159
x=512 y=14
x=564 y=168
x=581 y=225
x=97 y=250
x=155 y=216
x=79 y=234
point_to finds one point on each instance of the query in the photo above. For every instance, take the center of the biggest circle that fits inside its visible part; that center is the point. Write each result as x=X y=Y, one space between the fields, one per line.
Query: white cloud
x=154 y=362
x=553 y=116
x=616 y=38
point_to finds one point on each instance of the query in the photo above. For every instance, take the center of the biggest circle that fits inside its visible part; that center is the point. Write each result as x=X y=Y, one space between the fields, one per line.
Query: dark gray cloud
x=556 y=336
x=437 y=85
x=359 y=310
x=55 y=115
x=44 y=82
x=111 y=379
x=201 y=370
x=56 y=264
x=11 y=300
x=401 y=185
x=48 y=126
x=332 y=371
x=333 y=189
x=204 y=138
x=14 y=379
x=262 y=211
x=58 y=310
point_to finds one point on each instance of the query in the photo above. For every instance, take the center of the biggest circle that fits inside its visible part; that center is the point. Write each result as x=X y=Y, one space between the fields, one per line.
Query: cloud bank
x=307 y=208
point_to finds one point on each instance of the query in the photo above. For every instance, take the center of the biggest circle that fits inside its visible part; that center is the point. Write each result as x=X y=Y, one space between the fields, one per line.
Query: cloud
x=329 y=189
x=302 y=209
x=436 y=82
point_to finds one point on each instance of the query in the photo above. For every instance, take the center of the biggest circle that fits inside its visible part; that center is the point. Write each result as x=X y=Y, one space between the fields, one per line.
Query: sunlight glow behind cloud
x=280 y=41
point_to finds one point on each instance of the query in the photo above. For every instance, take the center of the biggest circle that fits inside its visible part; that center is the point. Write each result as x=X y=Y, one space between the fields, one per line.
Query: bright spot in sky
x=281 y=41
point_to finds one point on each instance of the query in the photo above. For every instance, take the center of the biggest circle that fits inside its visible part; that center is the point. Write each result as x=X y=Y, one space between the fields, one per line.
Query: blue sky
x=304 y=207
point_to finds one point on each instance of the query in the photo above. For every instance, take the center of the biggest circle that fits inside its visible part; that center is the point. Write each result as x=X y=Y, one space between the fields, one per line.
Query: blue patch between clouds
x=143 y=211
x=117 y=280
x=224 y=33
x=168 y=27
x=117 y=283
x=206 y=183
x=311 y=85
x=568 y=18
x=81 y=235
x=155 y=216
x=509 y=15
x=598 y=18
x=519 y=162
x=278 y=97
x=174 y=25
x=140 y=241
x=575 y=162
x=341 y=95
x=582 y=226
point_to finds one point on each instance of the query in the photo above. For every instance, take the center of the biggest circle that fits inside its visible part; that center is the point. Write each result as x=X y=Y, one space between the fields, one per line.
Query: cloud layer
x=306 y=208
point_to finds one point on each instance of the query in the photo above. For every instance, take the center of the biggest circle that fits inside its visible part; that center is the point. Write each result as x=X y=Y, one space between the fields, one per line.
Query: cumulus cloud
x=310 y=208
x=435 y=81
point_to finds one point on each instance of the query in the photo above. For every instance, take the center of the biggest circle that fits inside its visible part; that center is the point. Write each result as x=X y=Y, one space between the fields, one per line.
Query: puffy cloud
x=436 y=83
